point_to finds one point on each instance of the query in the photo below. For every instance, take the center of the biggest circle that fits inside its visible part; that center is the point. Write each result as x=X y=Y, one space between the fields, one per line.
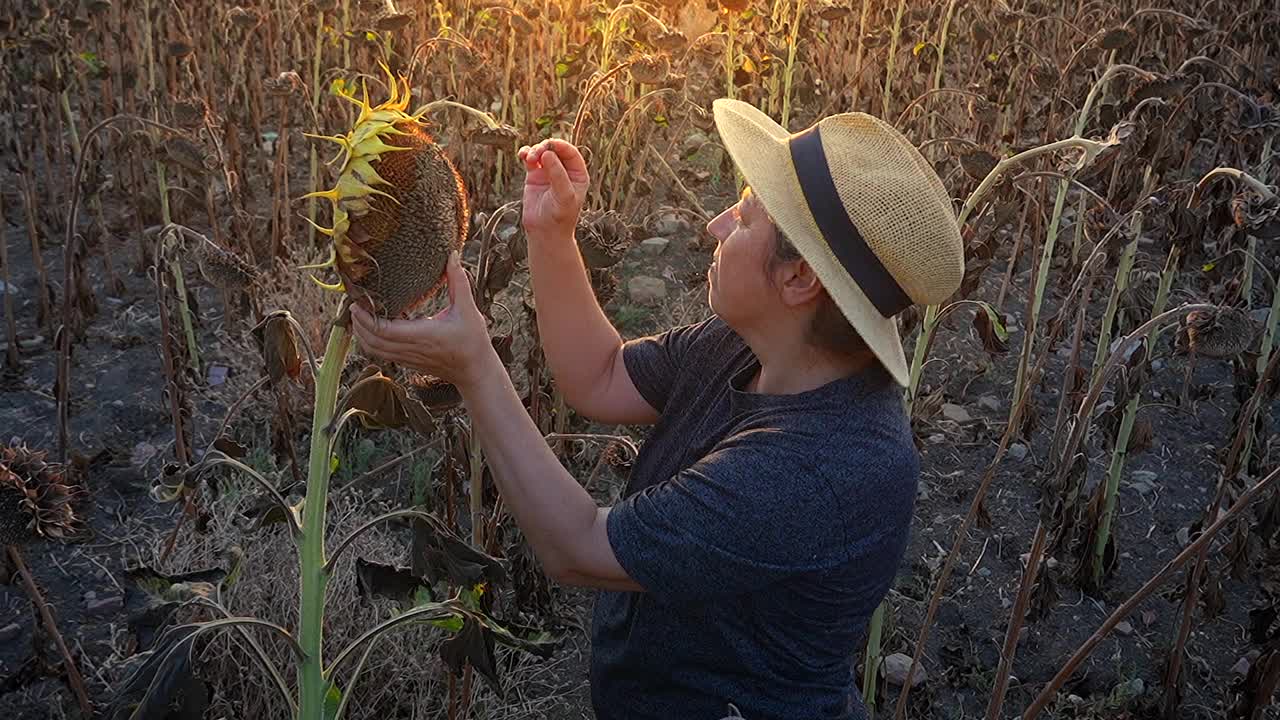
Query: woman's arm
x=583 y=349
x=565 y=528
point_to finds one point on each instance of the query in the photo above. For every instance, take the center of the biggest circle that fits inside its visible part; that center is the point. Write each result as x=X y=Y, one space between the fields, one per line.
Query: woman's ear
x=799 y=283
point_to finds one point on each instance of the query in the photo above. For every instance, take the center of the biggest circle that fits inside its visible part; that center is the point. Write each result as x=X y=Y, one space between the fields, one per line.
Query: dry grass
x=404 y=674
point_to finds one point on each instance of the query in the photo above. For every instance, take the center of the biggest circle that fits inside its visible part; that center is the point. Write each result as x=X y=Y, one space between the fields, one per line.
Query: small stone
x=984 y=572
x=506 y=233
x=1260 y=314
x=1183 y=536
x=1143 y=481
x=1241 y=667
x=671 y=224
x=693 y=141
x=896 y=667
x=1017 y=452
x=644 y=290
x=1157 y=364
x=654 y=246
x=955 y=413
x=937 y=439
x=218 y=375
x=1124 y=628
x=105 y=606
x=1075 y=699
x=10 y=632
x=989 y=402
x=1064 y=352
x=143 y=452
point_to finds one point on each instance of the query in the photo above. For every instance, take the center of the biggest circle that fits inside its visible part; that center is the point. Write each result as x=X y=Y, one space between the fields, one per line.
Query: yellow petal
x=364 y=170
x=333 y=287
x=333 y=260
x=323 y=231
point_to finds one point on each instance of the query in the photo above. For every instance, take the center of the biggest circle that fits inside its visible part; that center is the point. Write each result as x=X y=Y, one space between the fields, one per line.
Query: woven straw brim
x=893 y=197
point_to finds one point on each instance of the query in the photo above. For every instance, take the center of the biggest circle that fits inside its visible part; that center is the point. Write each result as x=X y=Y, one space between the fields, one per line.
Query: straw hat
x=862 y=207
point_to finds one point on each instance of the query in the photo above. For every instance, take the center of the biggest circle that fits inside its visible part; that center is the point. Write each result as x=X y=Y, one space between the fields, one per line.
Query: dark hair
x=829 y=329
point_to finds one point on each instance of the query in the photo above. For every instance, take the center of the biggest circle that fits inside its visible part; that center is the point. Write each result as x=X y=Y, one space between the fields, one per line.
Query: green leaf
x=996 y=323
x=544 y=120
x=91 y=59
x=370 y=36
x=562 y=69
x=661 y=120
x=919 y=46
x=333 y=464
x=453 y=623
x=1209 y=266
x=332 y=699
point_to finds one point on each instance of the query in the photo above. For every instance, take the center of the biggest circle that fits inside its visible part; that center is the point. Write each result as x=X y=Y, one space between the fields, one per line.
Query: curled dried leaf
x=186 y=154
x=991 y=329
x=386 y=404
x=1257 y=216
x=279 y=346
x=283 y=85
x=977 y=163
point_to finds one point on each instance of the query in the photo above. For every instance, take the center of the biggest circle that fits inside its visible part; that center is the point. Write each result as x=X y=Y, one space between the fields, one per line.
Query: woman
x=768 y=511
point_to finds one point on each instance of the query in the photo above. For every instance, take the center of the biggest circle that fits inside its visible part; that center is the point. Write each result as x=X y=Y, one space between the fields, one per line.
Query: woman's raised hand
x=555 y=188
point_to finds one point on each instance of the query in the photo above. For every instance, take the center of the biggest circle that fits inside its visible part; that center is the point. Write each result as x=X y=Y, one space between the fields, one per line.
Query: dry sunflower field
x=202 y=477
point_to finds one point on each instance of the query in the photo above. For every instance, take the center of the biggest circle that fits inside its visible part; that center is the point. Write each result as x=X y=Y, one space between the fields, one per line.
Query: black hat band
x=838 y=230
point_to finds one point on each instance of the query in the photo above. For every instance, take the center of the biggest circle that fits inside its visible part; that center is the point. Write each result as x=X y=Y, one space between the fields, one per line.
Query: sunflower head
x=35 y=497
x=399 y=206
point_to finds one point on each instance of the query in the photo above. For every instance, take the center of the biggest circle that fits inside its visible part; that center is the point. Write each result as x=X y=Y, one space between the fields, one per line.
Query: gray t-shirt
x=765 y=529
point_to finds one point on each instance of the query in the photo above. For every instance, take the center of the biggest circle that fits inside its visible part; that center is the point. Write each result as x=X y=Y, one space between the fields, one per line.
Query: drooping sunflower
x=35 y=497
x=399 y=206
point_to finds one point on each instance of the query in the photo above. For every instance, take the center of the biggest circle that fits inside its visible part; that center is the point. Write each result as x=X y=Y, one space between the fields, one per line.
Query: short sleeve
x=653 y=361
x=747 y=515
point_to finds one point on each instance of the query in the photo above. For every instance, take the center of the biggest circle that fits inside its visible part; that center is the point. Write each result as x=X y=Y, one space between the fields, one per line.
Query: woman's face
x=738 y=287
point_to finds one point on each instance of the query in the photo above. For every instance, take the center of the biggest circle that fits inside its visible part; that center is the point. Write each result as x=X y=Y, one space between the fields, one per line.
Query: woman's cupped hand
x=453 y=344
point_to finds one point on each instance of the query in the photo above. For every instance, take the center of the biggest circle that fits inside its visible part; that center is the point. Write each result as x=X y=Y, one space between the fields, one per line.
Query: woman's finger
x=569 y=156
x=459 y=283
x=560 y=184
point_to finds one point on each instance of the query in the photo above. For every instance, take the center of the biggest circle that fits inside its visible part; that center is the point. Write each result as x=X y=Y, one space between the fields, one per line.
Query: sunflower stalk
x=1120 y=449
x=312 y=682
x=889 y=63
x=1091 y=149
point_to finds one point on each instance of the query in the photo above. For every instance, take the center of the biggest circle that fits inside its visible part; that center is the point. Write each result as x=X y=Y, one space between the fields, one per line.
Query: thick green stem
x=893 y=51
x=1117 y=289
x=1118 y=455
x=942 y=49
x=311 y=681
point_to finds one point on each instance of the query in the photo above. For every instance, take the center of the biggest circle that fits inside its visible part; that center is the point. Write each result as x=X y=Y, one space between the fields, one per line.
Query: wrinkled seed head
x=1219 y=333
